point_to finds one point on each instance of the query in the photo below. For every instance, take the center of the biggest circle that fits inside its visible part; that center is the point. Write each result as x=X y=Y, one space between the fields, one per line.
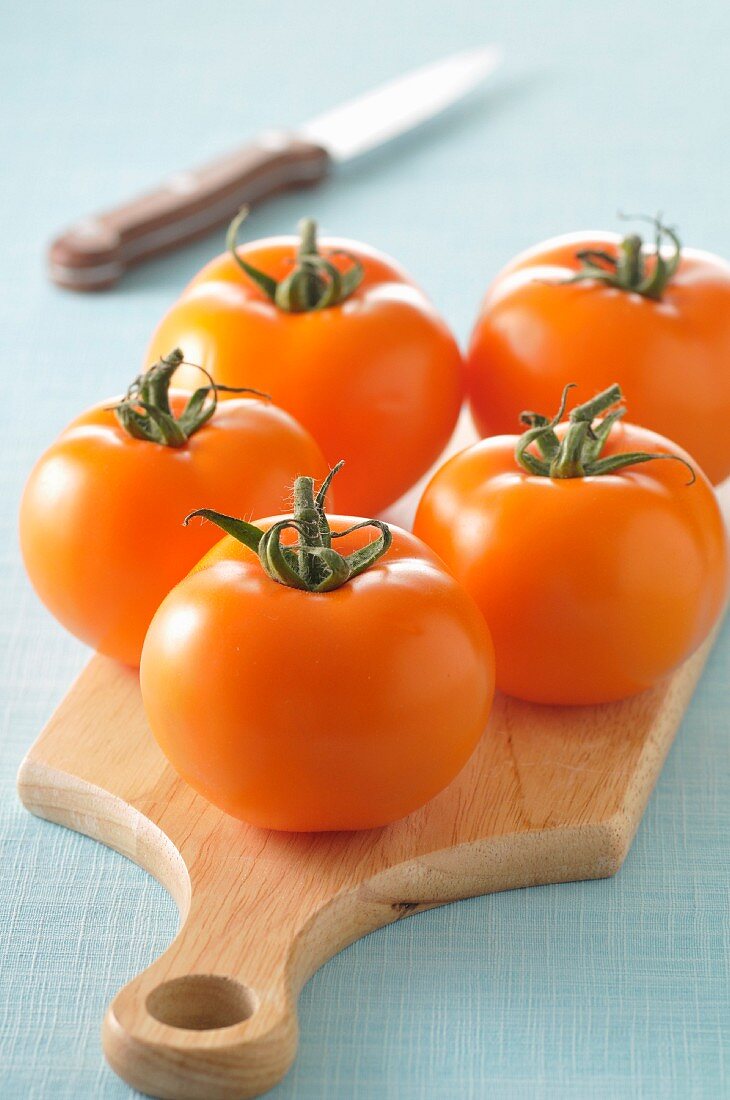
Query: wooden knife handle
x=95 y=253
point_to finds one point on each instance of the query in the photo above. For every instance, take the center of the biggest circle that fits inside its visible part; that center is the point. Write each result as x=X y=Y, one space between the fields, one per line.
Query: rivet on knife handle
x=96 y=252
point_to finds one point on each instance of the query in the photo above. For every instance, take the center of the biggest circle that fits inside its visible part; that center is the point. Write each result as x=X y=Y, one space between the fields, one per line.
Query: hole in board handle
x=201 y=1002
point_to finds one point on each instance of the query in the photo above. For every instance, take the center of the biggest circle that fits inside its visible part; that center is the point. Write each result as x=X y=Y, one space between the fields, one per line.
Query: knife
x=95 y=253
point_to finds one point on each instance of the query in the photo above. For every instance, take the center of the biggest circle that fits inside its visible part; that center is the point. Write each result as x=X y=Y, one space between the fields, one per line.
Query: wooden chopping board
x=552 y=794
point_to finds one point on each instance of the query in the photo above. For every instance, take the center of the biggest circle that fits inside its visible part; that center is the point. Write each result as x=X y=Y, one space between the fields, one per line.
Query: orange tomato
x=305 y=710
x=101 y=519
x=594 y=587
x=670 y=354
x=377 y=377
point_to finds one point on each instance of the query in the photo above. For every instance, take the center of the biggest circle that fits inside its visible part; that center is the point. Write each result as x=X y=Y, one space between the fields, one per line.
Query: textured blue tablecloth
x=608 y=989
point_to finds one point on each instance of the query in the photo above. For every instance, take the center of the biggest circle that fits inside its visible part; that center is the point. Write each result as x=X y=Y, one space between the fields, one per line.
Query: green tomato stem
x=311 y=564
x=629 y=270
x=578 y=453
x=314 y=283
x=144 y=412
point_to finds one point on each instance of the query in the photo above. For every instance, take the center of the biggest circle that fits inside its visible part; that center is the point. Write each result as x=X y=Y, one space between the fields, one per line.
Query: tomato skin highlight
x=101 y=515
x=378 y=380
x=670 y=356
x=318 y=711
x=594 y=588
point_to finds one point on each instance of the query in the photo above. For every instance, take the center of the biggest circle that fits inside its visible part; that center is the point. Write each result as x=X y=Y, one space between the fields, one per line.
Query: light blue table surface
x=606 y=989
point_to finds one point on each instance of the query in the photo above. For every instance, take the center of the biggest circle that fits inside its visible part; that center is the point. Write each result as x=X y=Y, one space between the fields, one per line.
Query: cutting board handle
x=215 y=1016
x=95 y=253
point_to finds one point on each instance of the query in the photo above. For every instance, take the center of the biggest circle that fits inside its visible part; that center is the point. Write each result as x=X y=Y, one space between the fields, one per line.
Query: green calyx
x=145 y=412
x=313 y=284
x=578 y=453
x=311 y=564
x=632 y=268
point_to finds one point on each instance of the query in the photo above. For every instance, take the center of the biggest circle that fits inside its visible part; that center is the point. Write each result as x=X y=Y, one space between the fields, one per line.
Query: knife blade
x=361 y=124
x=95 y=252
